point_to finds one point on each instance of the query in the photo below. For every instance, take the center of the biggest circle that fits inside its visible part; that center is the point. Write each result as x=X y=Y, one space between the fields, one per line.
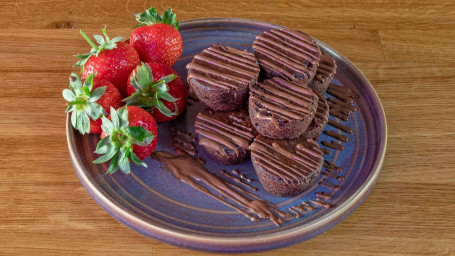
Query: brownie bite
x=281 y=109
x=286 y=167
x=320 y=119
x=220 y=77
x=287 y=53
x=225 y=136
x=324 y=75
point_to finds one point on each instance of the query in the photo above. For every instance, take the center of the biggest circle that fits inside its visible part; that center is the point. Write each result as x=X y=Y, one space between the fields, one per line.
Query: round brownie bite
x=281 y=109
x=225 y=136
x=286 y=167
x=287 y=53
x=324 y=75
x=220 y=77
x=320 y=119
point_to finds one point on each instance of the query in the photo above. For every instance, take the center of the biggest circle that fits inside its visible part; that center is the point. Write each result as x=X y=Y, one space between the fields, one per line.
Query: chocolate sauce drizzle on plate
x=183 y=142
x=190 y=171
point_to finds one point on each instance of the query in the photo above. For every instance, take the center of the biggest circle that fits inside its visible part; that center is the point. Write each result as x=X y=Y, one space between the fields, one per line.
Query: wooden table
x=406 y=50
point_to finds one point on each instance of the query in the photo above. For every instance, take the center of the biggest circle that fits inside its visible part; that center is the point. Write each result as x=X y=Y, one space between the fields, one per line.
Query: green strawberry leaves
x=105 y=43
x=118 y=145
x=149 y=94
x=151 y=16
x=82 y=102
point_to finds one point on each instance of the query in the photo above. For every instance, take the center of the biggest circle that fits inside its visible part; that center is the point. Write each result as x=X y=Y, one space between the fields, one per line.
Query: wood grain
x=405 y=48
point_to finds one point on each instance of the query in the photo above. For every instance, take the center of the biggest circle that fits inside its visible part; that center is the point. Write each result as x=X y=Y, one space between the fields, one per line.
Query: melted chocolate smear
x=238 y=180
x=337 y=136
x=190 y=171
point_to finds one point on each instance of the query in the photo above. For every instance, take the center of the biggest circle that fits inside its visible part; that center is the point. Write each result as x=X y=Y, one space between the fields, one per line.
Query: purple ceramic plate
x=154 y=203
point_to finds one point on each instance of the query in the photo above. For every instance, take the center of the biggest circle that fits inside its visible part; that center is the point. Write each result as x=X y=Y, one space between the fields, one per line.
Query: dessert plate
x=151 y=201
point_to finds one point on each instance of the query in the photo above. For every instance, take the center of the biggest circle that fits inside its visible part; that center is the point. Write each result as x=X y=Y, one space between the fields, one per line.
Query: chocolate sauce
x=338 y=114
x=321 y=202
x=223 y=67
x=292 y=54
x=190 y=171
x=326 y=151
x=296 y=213
x=344 y=90
x=238 y=180
x=324 y=195
x=327 y=68
x=332 y=166
x=337 y=136
x=333 y=144
x=340 y=126
x=326 y=183
x=335 y=101
x=183 y=142
x=330 y=174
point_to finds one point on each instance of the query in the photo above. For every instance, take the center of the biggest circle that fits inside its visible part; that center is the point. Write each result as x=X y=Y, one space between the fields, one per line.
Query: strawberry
x=157 y=38
x=159 y=89
x=89 y=100
x=130 y=134
x=112 y=60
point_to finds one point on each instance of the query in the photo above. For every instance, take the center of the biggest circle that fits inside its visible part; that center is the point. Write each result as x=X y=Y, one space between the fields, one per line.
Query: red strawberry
x=130 y=134
x=157 y=38
x=159 y=89
x=89 y=101
x=112 y=60
x=110 y=98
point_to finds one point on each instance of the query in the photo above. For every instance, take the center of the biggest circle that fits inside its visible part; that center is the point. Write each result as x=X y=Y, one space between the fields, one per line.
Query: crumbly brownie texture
x=287 y=53
x=286 y=167
x=281 y=109
x=220 y=77
x=225 y=136
x=324 y=75
x=320 y=119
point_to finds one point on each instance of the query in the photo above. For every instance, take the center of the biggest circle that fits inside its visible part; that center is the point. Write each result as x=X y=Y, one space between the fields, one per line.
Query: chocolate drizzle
x=337 y=136
x=320 y=119
x=234 y=134
x=238 y=180
x=192 y=172
x=287 y=53
x=223 y=67
x=340 y=126
x=327 y=68
x=279 y=100
x=183 y=142
x=291 y=163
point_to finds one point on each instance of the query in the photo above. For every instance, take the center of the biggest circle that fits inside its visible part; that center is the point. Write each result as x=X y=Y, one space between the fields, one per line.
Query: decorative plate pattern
x=153 y=202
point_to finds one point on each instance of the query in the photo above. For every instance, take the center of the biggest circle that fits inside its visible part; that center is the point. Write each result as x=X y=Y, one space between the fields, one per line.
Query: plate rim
x=236 y=244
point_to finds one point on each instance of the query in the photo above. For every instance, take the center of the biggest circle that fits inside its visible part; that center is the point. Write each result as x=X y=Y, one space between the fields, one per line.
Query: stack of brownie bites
x=268 y=105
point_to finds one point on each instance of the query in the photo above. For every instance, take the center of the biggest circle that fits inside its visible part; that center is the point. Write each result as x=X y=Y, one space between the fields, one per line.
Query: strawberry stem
x=89 y=40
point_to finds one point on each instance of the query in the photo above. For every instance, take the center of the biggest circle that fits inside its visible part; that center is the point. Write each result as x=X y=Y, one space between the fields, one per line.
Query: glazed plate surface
x=151 y=201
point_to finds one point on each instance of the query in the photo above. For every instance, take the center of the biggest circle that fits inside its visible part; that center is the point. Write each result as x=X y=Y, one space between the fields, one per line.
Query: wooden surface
x=405 y=49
